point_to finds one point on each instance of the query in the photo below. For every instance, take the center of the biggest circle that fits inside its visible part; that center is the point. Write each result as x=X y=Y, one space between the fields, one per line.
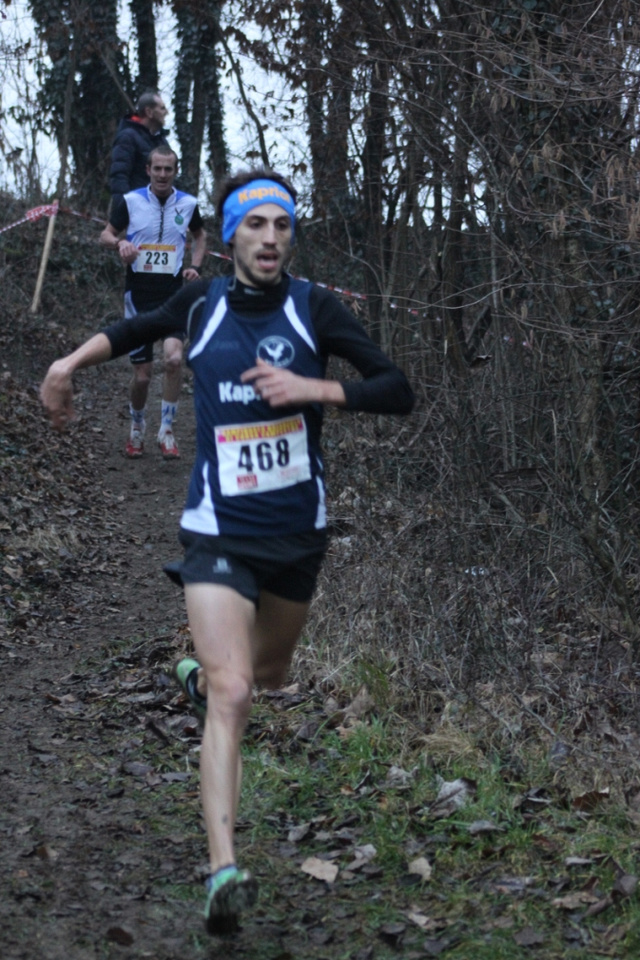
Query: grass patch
x=520 y=861
x=469 y=838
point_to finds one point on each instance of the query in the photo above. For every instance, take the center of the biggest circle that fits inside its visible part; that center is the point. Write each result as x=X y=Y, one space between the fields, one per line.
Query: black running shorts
x=285 y=566
x=142 y=300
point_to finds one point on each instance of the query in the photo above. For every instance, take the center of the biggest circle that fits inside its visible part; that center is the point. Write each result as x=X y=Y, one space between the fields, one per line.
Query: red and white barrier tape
x=48 y=210
x=52 y=209
x=37 y=213
x=83 y=216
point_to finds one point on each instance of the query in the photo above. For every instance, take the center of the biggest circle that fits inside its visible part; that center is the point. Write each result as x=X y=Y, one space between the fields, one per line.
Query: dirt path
x=103 y=846
x=95 y=740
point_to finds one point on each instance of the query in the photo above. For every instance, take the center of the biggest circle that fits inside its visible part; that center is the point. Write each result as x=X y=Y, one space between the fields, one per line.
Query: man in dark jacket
x=138 y=134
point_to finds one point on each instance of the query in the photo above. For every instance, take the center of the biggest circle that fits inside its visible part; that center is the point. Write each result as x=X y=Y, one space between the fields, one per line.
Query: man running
x=156 y=220
x=254 y=525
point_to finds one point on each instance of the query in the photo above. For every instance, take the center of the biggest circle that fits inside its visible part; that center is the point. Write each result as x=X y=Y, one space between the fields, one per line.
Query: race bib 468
x=256 y=457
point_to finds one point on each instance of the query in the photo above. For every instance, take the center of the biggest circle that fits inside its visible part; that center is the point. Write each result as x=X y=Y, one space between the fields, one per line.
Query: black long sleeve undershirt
x=383 y=389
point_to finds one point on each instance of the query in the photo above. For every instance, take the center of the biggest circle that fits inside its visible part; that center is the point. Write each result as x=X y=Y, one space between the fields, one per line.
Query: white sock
x=167 y=414
x=138 y=421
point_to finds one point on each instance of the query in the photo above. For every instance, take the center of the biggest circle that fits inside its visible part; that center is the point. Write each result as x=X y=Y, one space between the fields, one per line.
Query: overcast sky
x=19 y=142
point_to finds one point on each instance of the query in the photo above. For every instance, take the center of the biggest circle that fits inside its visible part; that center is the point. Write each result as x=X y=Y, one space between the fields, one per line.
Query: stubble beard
x=256 y=281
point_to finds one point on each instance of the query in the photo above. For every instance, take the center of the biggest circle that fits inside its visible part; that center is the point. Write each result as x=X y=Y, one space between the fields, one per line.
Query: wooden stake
x=45 y=259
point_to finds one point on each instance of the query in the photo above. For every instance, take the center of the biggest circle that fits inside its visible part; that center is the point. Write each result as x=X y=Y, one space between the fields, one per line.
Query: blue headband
x=241 y=201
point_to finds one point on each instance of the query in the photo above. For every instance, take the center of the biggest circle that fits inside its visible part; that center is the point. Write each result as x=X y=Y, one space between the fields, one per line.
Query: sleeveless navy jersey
x=258 y=471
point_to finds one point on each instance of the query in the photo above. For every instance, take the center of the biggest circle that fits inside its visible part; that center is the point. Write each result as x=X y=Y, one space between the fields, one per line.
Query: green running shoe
x=186 y=673
x=229 y=891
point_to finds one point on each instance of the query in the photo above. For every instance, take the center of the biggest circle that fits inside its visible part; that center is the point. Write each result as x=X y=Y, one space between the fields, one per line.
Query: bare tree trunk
x=144 y=22
x=377 y=112
x=197 y=99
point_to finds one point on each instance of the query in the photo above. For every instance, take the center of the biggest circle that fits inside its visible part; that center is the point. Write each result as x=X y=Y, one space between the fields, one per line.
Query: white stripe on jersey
x=213 y=323
x=297 y=324
x=202 y=519
x=192 y=310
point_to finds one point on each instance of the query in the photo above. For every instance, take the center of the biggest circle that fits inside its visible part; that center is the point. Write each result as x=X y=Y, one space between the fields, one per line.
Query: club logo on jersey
x=278 y=351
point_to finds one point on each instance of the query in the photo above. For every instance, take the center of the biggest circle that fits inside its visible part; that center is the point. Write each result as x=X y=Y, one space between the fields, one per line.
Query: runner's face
x=261 y=245
x=162 y=173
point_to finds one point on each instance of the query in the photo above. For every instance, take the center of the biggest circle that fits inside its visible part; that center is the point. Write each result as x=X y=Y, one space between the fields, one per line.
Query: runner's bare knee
x=142 y=374
x=229 y=692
